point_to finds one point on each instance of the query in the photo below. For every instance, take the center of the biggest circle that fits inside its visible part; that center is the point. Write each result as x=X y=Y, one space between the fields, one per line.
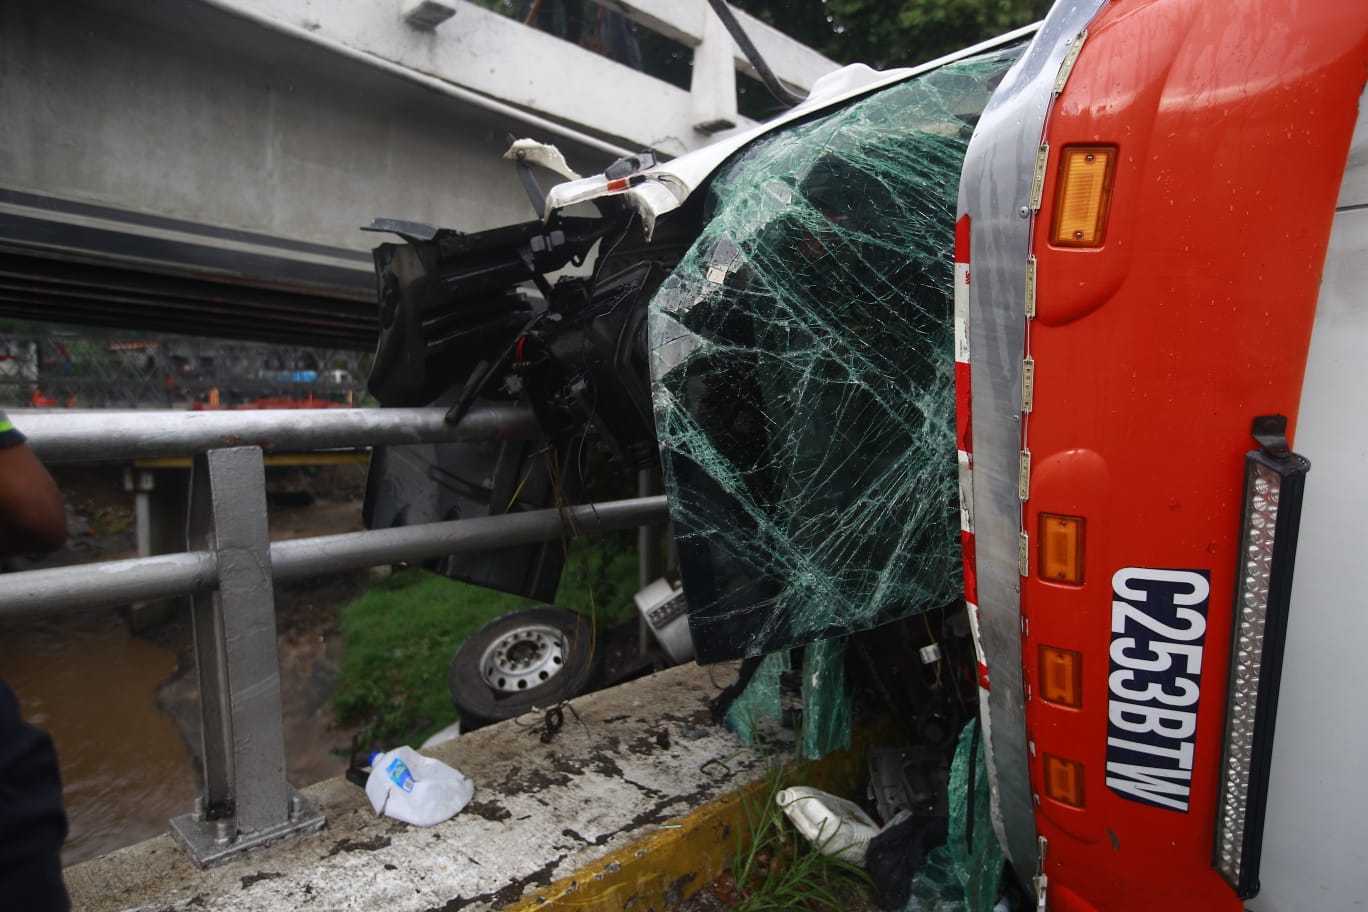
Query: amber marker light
x=1061 y=549
x=1061 y=676
x=1064 y=781
x=1082 y=196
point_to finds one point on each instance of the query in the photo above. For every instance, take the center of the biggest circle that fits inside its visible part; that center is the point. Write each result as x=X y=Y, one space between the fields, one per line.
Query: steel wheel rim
x=523 y=658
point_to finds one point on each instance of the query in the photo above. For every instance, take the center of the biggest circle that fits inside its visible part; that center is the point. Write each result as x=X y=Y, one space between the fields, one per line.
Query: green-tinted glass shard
x=978 y=857
x=964 y=874
x=826 y=700
x=936 y=887
x=759 y=702
x=804 y=374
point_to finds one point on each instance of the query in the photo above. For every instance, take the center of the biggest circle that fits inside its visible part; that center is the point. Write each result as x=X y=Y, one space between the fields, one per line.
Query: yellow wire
x=531 y=464
x=932 y=637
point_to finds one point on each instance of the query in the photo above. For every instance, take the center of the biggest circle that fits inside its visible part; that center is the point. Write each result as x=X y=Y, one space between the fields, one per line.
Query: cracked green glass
x=802 y=359
x=826 y=699
x=964 y=874
x=761 y=700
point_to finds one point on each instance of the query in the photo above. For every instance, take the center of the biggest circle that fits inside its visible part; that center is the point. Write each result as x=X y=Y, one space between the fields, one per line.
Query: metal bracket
x=535 y=195
x=1038 y=177
x=1067 y=64
x=413 y=232
x=1041 y=879
x=246 y=802
x=212 y=842
x=426 y=15
x=1270 y=433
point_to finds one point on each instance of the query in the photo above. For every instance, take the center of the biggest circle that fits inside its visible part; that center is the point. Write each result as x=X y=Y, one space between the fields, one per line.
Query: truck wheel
x=530 y=657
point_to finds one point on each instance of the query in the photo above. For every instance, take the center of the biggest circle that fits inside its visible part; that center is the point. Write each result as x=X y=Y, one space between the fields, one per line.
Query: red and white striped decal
x=964 y=436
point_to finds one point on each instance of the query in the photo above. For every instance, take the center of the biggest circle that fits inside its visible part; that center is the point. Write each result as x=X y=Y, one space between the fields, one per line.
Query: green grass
x=400 y=635
x=605 y=565
x=780 y=870
x=111 y=521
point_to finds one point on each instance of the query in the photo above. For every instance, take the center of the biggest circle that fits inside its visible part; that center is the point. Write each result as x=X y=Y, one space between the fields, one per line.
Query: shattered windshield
x=803 y=373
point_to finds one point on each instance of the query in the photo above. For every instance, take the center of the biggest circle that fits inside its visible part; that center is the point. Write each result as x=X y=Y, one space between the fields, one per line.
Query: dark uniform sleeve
x=33 y=825
x=9 y=434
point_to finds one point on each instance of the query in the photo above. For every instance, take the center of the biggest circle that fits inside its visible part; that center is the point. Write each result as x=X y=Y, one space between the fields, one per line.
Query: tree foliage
x=887 y=33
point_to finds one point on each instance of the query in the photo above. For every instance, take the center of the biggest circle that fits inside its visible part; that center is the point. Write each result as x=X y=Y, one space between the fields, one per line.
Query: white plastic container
x=834 y=825
x=407 y=786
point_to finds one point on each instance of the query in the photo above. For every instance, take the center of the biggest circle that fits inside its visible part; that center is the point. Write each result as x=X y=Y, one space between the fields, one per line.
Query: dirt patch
x=309 y=642
x=304 y=501
x=488 y=810
x=360 y=845
x=259 y=877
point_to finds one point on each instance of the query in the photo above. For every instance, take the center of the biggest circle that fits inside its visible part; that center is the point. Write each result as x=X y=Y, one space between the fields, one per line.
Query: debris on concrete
x=835 y=826
x=545 y=813
x=407 y=786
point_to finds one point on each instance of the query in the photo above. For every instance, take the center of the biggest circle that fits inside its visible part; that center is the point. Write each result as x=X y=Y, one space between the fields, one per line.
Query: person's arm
x=32 y=514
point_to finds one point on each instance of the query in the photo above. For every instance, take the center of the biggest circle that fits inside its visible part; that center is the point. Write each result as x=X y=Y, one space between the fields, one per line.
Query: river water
x=90 y=683
x=126 y=770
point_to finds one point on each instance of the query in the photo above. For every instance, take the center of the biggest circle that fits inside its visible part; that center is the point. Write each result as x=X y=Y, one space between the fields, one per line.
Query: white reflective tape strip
x=976 y=636
x=962 y=313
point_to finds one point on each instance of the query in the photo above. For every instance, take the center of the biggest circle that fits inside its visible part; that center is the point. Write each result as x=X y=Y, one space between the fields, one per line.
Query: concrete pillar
x=712 y=86
x=161 y=507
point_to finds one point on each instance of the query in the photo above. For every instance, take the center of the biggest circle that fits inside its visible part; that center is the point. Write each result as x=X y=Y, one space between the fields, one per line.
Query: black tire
x=531 y=657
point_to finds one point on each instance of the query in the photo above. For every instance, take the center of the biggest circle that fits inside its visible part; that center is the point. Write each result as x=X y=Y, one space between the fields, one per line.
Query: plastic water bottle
x=407 y=786
x=834 y=825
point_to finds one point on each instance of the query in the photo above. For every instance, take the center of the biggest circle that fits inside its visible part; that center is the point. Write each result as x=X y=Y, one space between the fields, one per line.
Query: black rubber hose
x=781 y=92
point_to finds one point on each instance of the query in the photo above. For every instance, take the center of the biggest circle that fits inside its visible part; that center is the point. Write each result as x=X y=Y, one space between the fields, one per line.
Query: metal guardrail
x=70 y=436
x=230 y=565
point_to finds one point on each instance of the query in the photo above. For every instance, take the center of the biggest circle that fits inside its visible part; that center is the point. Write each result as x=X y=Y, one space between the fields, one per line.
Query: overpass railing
x=230 y=565
x=547 y=84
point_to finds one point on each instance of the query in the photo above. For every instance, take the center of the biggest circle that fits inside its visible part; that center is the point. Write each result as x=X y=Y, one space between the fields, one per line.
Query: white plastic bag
x=834 y=825
x=407 y=786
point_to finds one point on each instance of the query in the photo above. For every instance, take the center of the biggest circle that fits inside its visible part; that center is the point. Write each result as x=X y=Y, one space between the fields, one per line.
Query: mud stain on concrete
x=359 y=845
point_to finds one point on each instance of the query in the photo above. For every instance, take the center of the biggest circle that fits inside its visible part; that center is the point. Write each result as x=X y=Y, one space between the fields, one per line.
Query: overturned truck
x=1017 y=343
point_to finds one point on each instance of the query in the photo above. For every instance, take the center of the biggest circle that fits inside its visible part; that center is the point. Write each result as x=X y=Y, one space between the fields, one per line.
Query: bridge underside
x=204 y=167
x=171 y=166
x=65 y=262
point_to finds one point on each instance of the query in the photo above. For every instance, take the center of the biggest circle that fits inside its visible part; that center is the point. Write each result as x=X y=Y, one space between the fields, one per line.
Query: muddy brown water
x=122 y=709
x=91 y=684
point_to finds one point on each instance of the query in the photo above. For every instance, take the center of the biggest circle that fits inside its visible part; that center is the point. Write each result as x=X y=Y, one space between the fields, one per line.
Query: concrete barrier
x=634 y=802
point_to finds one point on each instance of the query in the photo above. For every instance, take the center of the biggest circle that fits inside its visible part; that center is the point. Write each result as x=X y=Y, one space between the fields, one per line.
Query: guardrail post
x=246 y=801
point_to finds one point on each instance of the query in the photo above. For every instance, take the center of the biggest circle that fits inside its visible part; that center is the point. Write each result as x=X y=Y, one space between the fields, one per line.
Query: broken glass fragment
x=803 y=373
x=826 y=700
x=760 y=701
x=963 y=875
